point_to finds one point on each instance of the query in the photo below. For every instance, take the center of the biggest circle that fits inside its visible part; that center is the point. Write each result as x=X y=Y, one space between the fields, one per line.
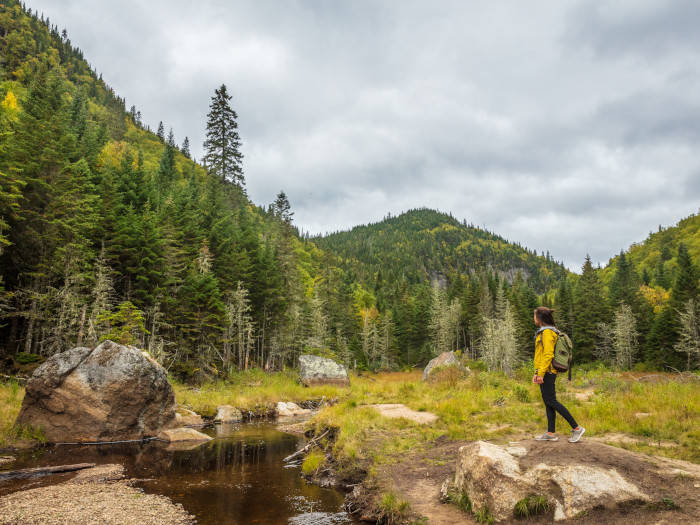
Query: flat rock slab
x=184 y=434
x=398 y=410
x=289 y=409
x=97 y=495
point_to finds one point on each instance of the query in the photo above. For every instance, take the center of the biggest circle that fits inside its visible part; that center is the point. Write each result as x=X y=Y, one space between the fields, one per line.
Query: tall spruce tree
x=222 y=145
x=589 y=309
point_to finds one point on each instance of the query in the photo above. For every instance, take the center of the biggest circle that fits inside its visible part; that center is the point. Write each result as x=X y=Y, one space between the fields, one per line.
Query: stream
x=238 y=478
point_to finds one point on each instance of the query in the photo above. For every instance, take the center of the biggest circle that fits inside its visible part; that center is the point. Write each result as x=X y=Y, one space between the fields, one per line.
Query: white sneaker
x=576 y=435
x=546 y=437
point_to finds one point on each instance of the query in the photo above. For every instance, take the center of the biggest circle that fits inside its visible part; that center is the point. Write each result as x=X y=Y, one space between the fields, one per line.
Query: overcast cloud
x=568 y=126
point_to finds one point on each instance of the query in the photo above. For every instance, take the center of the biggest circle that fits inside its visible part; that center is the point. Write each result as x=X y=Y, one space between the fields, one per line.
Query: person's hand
x=539 y=380
x=534 y=378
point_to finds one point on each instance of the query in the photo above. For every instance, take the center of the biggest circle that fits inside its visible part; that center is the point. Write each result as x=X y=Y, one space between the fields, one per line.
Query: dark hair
x=545 y=315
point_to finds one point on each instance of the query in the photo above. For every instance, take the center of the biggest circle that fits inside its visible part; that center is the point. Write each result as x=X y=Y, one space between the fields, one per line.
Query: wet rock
x=185 y=418
x=493 y=479
x=315 y=370
x=109 y=393
x=445 y=359
x=227 y=414
x=288 y=409
x=183 y=434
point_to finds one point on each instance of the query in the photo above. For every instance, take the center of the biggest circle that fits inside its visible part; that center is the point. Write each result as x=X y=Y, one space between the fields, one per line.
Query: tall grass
x=11 y=395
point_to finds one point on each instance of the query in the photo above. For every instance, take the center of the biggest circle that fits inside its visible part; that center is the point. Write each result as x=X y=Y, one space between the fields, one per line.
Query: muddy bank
x=97 y=495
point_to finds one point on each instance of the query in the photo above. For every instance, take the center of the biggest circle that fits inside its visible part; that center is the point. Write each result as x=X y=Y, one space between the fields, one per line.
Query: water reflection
x=238 y=478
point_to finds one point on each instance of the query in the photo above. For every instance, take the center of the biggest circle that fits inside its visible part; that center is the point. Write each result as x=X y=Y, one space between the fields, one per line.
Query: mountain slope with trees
x=109 y=230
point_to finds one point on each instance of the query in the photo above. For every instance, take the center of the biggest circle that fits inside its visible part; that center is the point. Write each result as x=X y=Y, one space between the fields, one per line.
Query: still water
x=238 y=478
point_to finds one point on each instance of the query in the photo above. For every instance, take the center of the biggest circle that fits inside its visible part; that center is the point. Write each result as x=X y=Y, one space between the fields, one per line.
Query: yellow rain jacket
x=544 y=352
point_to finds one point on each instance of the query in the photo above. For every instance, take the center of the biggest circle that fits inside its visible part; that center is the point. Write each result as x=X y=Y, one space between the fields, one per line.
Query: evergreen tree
x=222 y=145
x=186 y=148
x=282 y=208
x=161 y=131
x=589 y=309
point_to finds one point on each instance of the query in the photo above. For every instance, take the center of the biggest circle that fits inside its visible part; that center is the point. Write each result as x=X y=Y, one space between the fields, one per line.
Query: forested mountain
x=109 y=230
x=422 y=245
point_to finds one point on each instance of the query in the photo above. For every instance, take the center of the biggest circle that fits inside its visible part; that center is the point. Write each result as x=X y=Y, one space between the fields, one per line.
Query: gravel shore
x=98 y=495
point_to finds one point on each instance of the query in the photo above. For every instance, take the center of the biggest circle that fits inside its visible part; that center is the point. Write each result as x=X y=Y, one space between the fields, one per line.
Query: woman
x=546 y=375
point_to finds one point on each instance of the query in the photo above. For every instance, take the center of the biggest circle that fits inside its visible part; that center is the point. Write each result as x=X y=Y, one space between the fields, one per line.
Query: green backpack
x=563 y=351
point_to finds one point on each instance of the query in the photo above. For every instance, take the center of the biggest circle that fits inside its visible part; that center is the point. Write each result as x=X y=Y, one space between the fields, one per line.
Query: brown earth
x=417 y=478
x=98 y=495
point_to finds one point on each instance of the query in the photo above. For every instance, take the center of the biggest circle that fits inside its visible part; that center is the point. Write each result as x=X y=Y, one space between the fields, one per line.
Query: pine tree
x=685 y=286
x=590 y=310
x=222 y=145
x=161 y=131
x=186 y=147
x=282 y=208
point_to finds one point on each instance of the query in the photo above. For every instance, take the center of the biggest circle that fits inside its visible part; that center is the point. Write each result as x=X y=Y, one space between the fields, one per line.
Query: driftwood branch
x=306 y=448
x=43 y=471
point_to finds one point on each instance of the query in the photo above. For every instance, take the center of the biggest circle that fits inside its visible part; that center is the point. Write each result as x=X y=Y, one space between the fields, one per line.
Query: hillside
x=655 y=258
x=423 y=245
x=109 y=230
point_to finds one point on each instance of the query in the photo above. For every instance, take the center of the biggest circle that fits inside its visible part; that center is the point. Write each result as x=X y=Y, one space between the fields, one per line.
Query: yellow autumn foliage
x=655 y=296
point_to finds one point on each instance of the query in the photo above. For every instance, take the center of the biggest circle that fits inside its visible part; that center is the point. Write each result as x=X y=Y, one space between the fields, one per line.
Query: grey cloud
x=568 y=126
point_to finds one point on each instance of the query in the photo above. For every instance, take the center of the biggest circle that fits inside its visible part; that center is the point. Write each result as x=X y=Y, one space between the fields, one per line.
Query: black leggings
x=549 y=396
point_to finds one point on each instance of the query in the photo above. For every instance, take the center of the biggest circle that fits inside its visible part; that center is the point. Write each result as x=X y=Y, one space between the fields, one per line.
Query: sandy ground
x=99 y=495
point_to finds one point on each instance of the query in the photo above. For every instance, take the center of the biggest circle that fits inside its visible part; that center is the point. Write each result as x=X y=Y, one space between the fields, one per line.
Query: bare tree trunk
x=82 y=325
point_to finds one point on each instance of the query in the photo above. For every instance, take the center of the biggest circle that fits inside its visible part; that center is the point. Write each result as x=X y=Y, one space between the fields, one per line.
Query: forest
x=109 y=230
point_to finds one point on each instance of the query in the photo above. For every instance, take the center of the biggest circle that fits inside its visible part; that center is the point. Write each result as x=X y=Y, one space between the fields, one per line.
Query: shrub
x=393 y=509
x=313 y=462
x=461 y=500
x=447 y=375
x=24 y=358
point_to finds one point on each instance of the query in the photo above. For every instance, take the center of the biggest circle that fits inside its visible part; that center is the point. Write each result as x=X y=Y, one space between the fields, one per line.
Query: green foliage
x=23 y=358
x=393 y=510
x=532 y=505
x=483 y=515
x=521 y=393
x=461 y=499
x=312 y=462
x=126 y=324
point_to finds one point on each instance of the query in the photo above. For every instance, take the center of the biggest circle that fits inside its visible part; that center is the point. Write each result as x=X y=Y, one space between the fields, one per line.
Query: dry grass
x=493 y=406
x=11 y=395
x=253 y=390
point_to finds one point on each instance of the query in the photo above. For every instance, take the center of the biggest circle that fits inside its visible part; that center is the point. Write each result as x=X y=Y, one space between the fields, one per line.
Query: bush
x=449 y=375
x=24 y=358
x=313 y=462
x=393 y=509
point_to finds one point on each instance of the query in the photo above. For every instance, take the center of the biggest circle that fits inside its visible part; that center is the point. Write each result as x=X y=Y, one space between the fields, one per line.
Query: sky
x=567 y=126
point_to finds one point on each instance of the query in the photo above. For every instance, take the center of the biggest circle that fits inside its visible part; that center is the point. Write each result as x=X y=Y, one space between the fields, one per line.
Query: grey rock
x=227 y=414
x=109 y=393
x=492 y=477
x=444 y=359
x=315 y=370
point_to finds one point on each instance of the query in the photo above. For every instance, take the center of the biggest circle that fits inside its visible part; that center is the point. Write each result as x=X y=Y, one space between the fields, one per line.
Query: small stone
x=288 y=409
x=641 y=415
x=175 y=435
x=445 y=359
x=228 y=414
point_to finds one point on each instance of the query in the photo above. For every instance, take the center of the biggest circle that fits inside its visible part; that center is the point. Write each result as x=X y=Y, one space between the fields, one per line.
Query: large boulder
x=315 y=370
x=445 y=359
x=495 y=479
x=108 y=393
x=176 y=435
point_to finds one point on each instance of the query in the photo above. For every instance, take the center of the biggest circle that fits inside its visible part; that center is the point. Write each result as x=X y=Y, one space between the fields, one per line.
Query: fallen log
x=43 y=471
x=306 y=448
